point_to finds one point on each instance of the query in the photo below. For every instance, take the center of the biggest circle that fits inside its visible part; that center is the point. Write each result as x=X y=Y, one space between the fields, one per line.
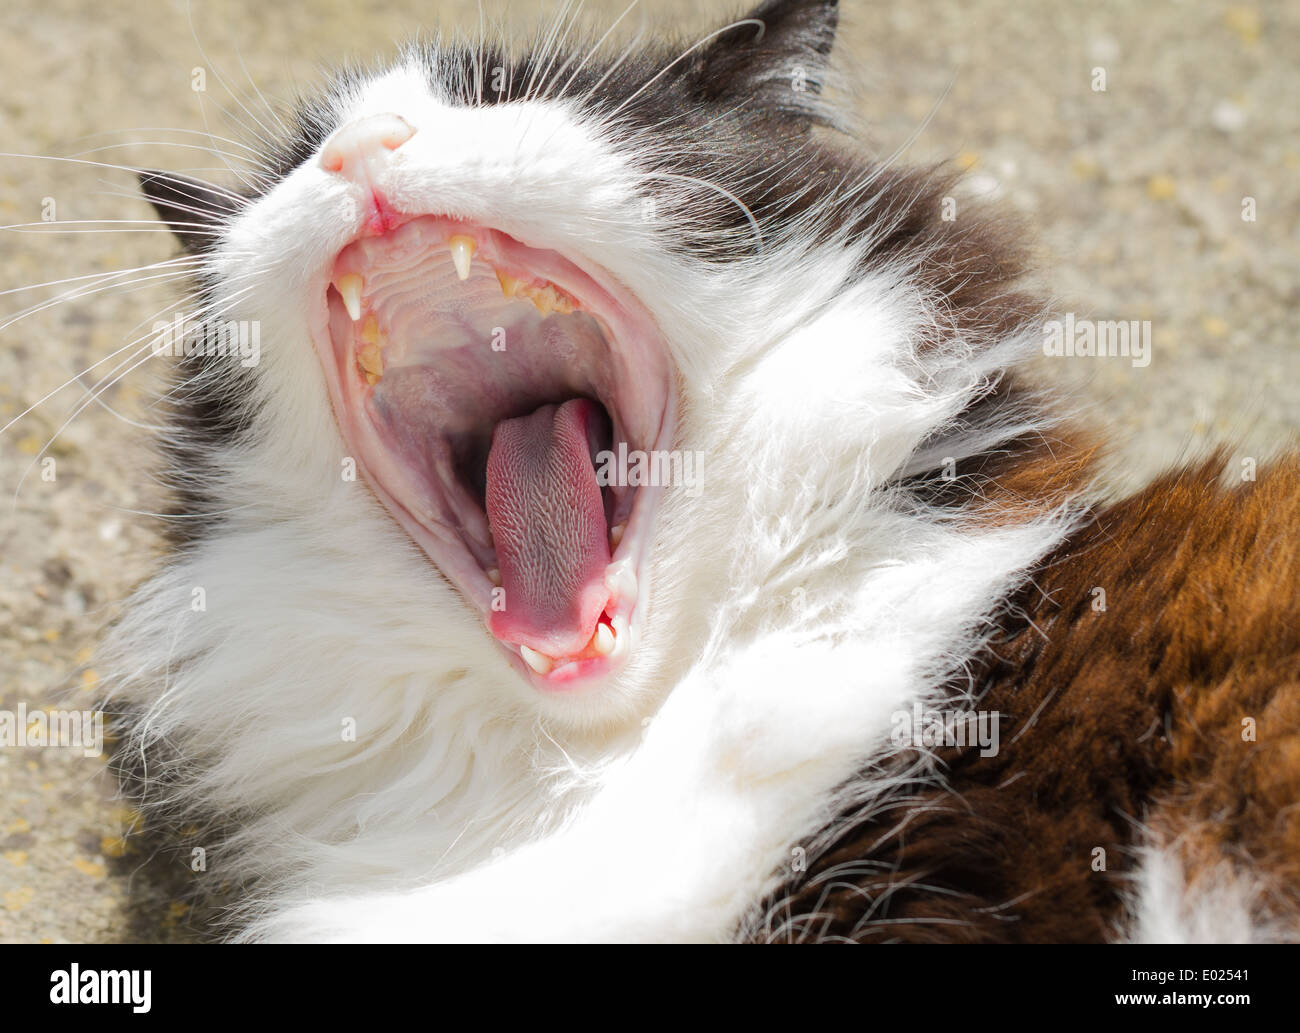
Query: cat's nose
x=356 y=145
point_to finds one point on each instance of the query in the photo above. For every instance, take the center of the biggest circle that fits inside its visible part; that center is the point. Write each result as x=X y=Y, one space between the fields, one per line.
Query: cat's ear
x=191 y=208
x=775 y=57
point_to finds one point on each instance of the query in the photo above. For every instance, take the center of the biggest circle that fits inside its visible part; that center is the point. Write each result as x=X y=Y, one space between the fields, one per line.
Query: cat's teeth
x=548 y=300
x=537 y=661
x=616 y=535
x=349 y=288
x=370 y=356
x=494 y=576
x=603 y=640
x=462 y=254
x=371 y=361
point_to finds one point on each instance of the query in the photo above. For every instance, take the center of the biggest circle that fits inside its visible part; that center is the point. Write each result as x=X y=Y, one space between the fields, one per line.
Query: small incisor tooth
x=603 y=640
x=539 y=662
x=462 y=254
x=349 y=288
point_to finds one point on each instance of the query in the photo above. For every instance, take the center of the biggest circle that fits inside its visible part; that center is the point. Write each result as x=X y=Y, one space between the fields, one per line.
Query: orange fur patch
x=1117 y=723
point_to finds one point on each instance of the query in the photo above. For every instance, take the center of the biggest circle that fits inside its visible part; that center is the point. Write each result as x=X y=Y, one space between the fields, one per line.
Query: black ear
x=193 y=209
x=779 y=64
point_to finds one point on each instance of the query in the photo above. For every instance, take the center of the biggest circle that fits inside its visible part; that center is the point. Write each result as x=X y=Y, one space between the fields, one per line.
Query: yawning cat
x=632 y=529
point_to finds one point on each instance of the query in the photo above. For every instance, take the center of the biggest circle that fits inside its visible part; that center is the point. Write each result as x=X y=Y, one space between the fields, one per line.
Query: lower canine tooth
x=349 y=288
x=604 y=639
x=537 y=661
x=462 y=253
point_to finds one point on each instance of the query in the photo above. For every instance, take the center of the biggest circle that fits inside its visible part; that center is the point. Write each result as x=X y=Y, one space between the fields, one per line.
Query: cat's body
x=879 y=509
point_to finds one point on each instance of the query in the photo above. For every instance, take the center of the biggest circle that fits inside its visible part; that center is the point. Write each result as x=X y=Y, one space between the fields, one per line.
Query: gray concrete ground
x=1136 y=191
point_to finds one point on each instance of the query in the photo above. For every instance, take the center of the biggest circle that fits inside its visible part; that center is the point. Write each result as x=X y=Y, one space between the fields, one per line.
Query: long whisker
x=595 y=48
x=88 y=290
x=749 y=215
x=682 y=57
x=53 y=227
x=203 y=114
x=133 y=285
x=202 y=209
x=206 y=514
x=223 y=154
x=132 y=363
x=172 y=129
x=266 y=137
x=155 y=427
x=632 y=47
x=77 y=377
x=239 y=200
x=555 y=43
x=144 y=353
x=94 y=276
x=270 y=108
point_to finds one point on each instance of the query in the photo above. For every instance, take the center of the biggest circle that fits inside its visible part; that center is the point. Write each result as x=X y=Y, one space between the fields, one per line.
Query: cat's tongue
x=548 y=522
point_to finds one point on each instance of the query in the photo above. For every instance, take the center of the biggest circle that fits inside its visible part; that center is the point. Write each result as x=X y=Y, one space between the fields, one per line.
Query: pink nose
x=352 y=149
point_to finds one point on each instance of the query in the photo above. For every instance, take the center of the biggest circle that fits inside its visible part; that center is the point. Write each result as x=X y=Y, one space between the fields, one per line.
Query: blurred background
x=1135 y=191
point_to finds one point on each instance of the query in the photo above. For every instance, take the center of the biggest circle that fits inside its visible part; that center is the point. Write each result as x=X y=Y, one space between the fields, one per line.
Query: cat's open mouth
x=487 y=389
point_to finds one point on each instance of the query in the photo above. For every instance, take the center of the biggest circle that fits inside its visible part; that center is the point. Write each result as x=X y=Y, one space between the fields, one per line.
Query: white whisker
x=145 y=351
x=682 y=57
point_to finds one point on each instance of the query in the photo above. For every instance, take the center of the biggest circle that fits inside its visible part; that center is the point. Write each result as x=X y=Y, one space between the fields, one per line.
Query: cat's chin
x=492 y=394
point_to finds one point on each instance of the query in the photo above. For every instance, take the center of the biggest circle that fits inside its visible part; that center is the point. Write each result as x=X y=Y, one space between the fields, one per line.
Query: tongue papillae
x=547 y=518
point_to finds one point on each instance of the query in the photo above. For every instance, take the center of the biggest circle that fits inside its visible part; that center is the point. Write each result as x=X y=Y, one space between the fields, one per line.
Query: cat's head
x=516 y=295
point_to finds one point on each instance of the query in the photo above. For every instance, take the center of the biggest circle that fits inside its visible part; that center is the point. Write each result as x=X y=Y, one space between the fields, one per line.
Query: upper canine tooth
x=603 y=641
x=537 y=661
x=462 y=253
x=349 y=288
x=509 y=285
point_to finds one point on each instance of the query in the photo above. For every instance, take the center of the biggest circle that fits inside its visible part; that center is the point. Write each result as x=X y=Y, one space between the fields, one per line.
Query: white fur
x=794 y=606
x=1221 y=905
